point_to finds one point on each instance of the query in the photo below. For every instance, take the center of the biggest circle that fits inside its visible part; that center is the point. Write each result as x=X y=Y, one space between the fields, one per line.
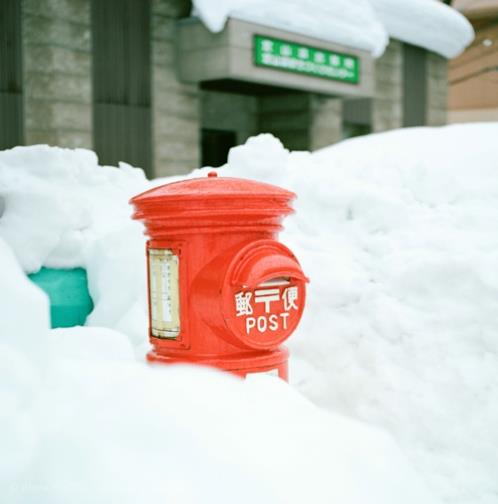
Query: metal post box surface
x=222 y=290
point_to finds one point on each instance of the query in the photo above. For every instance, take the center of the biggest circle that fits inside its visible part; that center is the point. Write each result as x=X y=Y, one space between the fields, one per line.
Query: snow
x=397 y=233
x=362 y=24
x=99 y=426
x=356 y=26
x=438 y=27
x=61 y=209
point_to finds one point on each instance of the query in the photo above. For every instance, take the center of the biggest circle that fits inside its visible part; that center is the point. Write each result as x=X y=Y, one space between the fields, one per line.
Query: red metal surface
x=242 y=293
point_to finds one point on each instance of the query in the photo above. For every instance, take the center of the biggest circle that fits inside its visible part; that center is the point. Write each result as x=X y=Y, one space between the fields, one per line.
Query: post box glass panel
x=164 y=293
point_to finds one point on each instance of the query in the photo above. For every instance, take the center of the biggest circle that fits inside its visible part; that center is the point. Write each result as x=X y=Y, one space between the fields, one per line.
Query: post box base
x=273 y=362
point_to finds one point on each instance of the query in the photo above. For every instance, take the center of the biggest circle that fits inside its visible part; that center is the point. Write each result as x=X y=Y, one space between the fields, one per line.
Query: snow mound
x=363 y=24
x=426 y=23
x=24 y=357
x=349 y=23
x=94 y=425
x=397 y=233
x=60 y=209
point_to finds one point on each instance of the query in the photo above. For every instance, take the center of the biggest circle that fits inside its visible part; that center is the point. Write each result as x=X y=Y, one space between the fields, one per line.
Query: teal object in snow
x=70 y=301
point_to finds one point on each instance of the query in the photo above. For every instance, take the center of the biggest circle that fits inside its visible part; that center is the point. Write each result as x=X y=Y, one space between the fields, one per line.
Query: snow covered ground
x=363 y=24
x=397 y=233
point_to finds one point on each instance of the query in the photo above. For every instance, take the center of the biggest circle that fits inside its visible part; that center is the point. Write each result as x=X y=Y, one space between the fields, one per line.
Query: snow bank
x=397 y=232
x=426 y=23
x=344 y=22
x=60 y=209
x=363 y=24
x=88 y=423
x=24 y=325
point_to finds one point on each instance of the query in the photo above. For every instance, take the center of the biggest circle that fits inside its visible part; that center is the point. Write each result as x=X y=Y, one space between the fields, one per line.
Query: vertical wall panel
x=414 y=86
x=122 y=81
x=11 y=123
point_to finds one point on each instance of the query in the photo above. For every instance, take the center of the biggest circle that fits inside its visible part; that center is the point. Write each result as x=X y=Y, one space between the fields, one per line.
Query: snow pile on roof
x=397 y=233
x=426 y=23
x=341 y=21
x=88 y=423
x=363 y=24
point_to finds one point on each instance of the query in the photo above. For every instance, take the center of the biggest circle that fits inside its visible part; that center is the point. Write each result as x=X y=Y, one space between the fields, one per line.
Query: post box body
x=223 y=291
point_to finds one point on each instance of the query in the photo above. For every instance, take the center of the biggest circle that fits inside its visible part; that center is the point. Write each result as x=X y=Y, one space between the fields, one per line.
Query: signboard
x=164 y=293
x=304 y=59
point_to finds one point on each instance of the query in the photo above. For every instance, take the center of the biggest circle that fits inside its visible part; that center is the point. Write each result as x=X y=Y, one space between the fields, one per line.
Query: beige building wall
x=473 y=94
x=387 y=105
x=437 y=90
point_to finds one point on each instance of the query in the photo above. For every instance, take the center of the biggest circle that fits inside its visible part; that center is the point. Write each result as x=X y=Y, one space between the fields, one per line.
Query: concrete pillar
x=57 y=72
x=303 y=121
x=325 y=126
x=437 y=89
x=175 y=106
x=231 y=112
x=286 y=116
x=387 y=105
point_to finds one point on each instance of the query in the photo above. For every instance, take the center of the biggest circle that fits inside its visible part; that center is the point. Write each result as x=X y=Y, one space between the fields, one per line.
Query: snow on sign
x=272 y=306
x=304 y=59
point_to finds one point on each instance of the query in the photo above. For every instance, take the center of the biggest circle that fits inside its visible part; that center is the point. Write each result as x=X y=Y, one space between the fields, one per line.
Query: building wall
x=387 y=106
x=389 y=96
x=58 y=91
x=437 y=90
x=57 y=72
x=473 y=76
x=176 y=115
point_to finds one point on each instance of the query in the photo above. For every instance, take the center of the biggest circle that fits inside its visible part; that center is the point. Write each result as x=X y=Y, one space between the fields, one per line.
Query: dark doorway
x=215 y=146
x=11 y=115
x=122 y=81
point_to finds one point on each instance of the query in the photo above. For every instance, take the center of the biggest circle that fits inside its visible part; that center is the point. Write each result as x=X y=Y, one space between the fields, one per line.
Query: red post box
x=223 y=291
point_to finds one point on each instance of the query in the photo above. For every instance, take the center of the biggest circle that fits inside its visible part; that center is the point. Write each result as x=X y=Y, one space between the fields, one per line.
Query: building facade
x=141 y=82
x=473 y=76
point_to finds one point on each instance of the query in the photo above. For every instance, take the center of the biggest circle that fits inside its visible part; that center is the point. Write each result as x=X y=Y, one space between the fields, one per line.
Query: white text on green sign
x=304 y=59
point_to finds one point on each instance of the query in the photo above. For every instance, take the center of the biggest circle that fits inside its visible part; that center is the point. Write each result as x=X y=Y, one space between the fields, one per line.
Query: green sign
x=304 y=59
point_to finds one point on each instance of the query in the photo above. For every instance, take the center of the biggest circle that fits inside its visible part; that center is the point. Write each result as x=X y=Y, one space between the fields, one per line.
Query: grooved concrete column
x=232 y=112
x=387 y=105
x=325 y=126
x=437 y=89
x=303 y=121
x=287 y=116
x=175 y=106
x=57 y=72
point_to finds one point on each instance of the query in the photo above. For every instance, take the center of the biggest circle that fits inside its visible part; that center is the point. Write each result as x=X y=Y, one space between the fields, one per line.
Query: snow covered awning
x=426 y=23
x=250 y=56
x=361 y=24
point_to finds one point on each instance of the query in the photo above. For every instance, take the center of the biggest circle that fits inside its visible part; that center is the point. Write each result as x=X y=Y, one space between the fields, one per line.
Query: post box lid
x=213 y=186
x=212 y=204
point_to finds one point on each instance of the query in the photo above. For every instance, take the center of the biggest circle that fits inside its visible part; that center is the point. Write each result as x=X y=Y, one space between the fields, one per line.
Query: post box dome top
x=213 y=186
x=211 y=204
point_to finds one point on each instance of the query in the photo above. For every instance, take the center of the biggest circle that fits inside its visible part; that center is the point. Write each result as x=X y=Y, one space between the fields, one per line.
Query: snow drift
x=82 y=421
x=397 y=232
